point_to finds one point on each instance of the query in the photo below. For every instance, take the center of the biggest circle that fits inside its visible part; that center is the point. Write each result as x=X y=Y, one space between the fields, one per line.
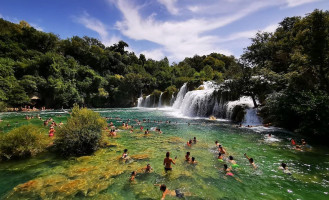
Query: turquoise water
x=104 y=176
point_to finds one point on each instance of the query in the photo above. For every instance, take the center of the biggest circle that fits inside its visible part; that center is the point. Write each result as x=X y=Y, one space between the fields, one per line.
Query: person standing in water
x=187 y=156
x=167 y=162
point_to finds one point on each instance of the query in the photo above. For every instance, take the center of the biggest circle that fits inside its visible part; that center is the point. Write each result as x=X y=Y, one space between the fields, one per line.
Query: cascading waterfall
x=172 y=100
x=245 y=101
x=203 y=102
x=198 y=102
x=140 y=101
x=180 y=96
x=160 y=104
x=251 y=118
x=147 y=102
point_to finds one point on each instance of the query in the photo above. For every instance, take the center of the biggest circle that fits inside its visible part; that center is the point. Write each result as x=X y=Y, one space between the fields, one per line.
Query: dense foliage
x=82 y=70
x=82 y=134
x=291 y=73
x=22 y=142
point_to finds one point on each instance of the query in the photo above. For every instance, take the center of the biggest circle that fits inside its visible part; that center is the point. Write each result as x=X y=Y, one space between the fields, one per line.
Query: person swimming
x=251 y=161
x=166 y=191
x=193 y=161
x=194 y=140
x=221 y=149
x=133 y=175
x=167 y=162
x=125 y=154
x=233 y=162
x=187 y=156
x=189 y=143
x=285 y=169
x=227 y=170
x=220 y=157
x=217 y=144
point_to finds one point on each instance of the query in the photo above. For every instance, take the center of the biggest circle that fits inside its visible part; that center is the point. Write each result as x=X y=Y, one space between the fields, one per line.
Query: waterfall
x=160 y=103
x=245 y=100
x=197 y=102
x=140 y=101
x=172 y=100
x=180 y=96
x=251 y=118
x=147 y=102
x=209 y=99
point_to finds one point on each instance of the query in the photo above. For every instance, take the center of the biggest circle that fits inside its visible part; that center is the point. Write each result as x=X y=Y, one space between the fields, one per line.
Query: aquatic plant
x=25 y=141
x=82 y=135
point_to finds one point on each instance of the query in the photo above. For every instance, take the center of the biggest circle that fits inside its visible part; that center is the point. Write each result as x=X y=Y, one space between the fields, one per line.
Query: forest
x=286 y=71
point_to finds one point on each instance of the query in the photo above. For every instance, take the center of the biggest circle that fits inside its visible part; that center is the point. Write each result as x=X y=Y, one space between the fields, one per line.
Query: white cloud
x=178 y=38
x=155 y=54
x=294 y=3
x=97 y=26
x=39 y=28
x=247 y=34
x=170 y=5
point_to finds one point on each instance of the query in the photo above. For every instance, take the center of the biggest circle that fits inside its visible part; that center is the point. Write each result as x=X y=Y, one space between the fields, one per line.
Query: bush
x=82 y=134
x=3 y=106
x=22 y=142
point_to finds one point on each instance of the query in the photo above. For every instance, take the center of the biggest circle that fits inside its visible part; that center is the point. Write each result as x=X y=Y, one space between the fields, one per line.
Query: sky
x=161 y=28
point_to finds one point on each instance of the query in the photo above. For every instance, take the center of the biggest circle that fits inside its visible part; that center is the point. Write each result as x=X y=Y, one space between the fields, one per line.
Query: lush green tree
x=82 y=135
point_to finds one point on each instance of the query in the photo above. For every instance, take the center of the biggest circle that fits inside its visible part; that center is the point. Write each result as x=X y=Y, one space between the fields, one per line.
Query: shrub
x=25 y=141
x=3 y=106
x=82 y=134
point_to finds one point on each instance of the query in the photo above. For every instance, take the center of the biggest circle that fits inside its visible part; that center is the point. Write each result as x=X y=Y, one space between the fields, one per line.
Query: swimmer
x=251 y=161
x=233 y=162
x=189 y=143
x=193 y=161
x=148 y=168
x=125 y=154
x=187 y=156
x=217 y=144
x=133 y=175
x=173 y=193
x=220 y=157
x=285 y=169
x=167 y=162
x=227 y=170
x=221 y=149
x=194 y=140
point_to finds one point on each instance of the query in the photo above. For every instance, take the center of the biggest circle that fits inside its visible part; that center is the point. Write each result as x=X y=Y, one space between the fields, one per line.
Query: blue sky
x=159 y=28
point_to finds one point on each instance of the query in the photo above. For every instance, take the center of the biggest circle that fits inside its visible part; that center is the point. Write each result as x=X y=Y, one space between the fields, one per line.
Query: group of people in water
x=230 y=165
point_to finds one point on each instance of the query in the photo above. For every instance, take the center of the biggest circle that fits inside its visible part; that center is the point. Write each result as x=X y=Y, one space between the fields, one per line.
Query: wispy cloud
x=294 y=3
x=96 y=25
x=170 y=5
x=178 y=38
x=36 y=26
x=155 y=54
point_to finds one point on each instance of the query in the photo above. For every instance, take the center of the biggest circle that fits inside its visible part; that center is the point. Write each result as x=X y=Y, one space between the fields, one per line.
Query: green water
x=104 y=176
